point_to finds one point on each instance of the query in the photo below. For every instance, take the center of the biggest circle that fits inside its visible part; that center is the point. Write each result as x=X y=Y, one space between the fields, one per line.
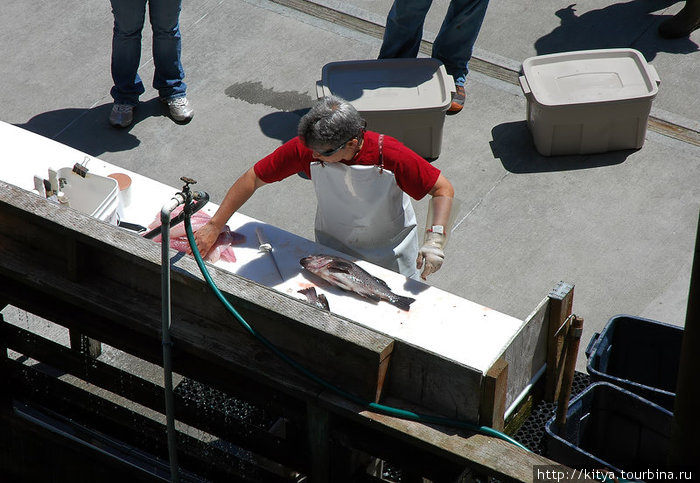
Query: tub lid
x=388 y=84
x=590 y=76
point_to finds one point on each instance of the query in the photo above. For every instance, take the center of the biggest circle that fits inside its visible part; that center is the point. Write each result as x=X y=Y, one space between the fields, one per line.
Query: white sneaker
x=180 y=109
x=122 y=115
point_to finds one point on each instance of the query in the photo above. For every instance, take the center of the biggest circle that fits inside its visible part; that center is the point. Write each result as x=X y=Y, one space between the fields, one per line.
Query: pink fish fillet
x=222 y=249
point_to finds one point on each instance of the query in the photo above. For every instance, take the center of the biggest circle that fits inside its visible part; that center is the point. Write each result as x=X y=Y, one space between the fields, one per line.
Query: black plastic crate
x=640 y=355
x=610 y=428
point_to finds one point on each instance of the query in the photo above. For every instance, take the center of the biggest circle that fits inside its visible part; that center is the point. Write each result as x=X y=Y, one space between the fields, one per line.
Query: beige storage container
x=588 y=101
x=403 y=98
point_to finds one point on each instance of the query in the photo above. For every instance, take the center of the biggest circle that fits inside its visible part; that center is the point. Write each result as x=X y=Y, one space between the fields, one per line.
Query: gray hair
x=331 y=122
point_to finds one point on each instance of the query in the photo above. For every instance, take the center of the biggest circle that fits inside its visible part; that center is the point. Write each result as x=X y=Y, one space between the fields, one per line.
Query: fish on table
x=350 y=277
x=319 y=300
x=222 y=248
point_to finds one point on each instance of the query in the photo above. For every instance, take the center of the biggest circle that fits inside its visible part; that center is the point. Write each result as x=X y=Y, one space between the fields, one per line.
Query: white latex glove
x=431 y=254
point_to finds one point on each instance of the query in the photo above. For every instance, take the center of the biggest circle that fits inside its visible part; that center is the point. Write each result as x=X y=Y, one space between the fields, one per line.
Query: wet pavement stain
x=255 y=93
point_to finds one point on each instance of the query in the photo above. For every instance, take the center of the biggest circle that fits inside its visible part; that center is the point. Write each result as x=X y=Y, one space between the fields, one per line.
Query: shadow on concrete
x=512 y=143
x=615 y=26
x=88 y=130
x=281 y=125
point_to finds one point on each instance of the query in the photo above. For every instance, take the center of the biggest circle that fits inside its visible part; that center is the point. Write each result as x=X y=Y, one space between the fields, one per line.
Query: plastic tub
x=608 y=427
x=588 y=101
x=640 y=355
x=403 y=98
x=93 y=195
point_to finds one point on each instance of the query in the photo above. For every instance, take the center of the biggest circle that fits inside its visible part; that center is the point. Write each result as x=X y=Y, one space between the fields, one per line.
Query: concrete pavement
x=620 y=226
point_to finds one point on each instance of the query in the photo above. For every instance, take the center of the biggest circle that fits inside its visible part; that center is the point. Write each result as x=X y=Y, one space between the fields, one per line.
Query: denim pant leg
x=454 y=43
x=404 y=28
x=167 y=48
x=129 y=16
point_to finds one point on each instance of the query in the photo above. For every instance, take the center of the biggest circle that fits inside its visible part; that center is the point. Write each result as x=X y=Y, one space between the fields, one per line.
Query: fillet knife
x=265 y=246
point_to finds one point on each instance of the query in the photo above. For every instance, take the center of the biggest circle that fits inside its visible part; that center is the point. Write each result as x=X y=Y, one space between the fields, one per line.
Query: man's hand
x=205 y=238
x=431 y=254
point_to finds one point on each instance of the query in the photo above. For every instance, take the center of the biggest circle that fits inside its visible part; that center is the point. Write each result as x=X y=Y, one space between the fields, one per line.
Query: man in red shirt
x=363 y=182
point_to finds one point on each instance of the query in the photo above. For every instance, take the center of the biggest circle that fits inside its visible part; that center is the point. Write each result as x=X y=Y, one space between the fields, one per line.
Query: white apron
x=362 y=212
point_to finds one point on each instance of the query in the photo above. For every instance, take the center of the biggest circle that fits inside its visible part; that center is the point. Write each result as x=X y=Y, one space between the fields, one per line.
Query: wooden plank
x=85 y=345
x=429 y=380
x=572 y=340
x=531 y=339
x=561 y=301
x=493 y=396
x=6 y=393
x=318 y=421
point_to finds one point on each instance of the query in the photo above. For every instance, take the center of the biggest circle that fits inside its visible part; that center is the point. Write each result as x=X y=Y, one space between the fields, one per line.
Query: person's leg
x=129 y=16
x=454 y=44
x=167 y=48
x=404 y=28
x=683 y=23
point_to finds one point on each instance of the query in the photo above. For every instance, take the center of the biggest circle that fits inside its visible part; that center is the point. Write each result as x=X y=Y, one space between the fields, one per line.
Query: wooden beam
x=573 y=337
x=318 y=421
x=493 y=395
x=85 y=345
x=6 y=393
x=561 y=301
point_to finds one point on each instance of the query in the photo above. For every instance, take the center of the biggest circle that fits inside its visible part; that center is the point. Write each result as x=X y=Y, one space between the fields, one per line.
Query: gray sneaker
x=122 y=115
x=180 y=109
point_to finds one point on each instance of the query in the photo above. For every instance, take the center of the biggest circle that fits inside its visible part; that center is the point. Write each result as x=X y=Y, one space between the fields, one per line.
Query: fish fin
x=340 y=266
x=404 y=303
x=324 y=301
x=308 y=291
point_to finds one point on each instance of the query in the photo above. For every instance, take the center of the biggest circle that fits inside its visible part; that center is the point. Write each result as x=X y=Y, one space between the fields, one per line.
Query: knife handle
x=262 y=239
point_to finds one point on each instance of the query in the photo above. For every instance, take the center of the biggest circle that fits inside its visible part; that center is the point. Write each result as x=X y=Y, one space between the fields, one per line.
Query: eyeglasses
x=331 y=152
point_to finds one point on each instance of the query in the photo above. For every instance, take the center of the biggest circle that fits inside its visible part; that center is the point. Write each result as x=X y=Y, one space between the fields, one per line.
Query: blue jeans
x=454 y=43
x=129 y=18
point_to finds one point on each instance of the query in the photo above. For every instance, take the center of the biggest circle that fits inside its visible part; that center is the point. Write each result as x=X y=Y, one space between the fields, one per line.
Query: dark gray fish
x=319 y=301
x=348 y=276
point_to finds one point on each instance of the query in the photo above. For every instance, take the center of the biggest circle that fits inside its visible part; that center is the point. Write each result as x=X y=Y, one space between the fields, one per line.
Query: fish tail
x=404 y=303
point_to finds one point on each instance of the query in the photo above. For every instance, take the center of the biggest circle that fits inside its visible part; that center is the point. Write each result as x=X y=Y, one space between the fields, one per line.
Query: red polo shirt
x=414 y=175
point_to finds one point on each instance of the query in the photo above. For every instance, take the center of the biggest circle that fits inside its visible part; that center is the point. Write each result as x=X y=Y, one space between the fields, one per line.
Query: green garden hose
x=379 y=408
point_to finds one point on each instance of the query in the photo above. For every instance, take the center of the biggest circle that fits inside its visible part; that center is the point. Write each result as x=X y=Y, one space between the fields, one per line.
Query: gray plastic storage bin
x=637 y=354
x=403 y=98
x=588 y=101
x=608 y=427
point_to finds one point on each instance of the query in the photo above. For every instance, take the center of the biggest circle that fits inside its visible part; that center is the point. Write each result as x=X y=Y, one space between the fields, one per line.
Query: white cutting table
x=440 y=322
